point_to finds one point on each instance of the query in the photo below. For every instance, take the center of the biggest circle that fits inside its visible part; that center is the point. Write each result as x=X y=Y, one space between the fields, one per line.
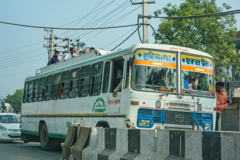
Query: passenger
x=62 y=90
x=46 y=93
x=222 y=98
x=55 y=58
x=81 y=87
x=92 y=49
x=199 y=86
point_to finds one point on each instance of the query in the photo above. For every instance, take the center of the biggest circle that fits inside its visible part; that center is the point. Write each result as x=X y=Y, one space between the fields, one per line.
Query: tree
x=15 y=100
x=213 y=35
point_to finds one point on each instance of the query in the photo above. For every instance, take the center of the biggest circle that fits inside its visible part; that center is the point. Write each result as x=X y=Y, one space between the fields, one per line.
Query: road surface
x=17 y=150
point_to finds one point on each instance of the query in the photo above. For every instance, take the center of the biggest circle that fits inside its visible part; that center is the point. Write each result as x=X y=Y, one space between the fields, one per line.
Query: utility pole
x=50 y=43
x=145 y=20
x=68 y=45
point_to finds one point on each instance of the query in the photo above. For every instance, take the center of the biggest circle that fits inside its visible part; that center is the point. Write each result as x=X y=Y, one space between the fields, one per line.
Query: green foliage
x=213 y=35
x=15 y=100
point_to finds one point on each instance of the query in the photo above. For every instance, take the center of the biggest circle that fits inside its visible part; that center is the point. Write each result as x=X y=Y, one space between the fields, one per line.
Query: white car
x=9 y=127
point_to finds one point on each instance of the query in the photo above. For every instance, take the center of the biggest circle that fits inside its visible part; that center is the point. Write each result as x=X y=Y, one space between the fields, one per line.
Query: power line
x=94 y=23
x=21 y=59
x=126 y=38
x=2 y=67
x=118 y=38
x=87 y=23
x=83 y=17
x=103 y=23
x=21 y=47
x=198 y=16
x=23 y=25
x=117 y=20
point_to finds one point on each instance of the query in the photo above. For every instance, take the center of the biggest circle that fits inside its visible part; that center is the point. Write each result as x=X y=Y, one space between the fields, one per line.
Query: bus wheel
x=48 y=143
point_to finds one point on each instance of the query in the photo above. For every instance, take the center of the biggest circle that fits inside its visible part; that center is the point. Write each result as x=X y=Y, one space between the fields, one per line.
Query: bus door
x=116 y=86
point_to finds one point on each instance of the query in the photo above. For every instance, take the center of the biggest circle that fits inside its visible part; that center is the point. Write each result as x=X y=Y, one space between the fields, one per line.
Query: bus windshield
x=197 y=76
x=154 y=71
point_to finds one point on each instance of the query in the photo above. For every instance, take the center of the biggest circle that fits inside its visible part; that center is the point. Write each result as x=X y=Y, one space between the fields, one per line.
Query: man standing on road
x=18 y=114
x=222 y=98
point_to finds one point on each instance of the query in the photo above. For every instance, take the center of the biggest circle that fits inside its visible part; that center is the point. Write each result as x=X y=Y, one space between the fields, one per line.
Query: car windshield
x=9 y=119
x=154 y=71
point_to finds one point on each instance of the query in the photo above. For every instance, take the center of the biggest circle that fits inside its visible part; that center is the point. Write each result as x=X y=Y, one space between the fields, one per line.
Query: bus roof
x=91 y=58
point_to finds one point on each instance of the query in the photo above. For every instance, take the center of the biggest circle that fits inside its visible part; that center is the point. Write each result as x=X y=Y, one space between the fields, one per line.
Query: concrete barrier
x=125 y=144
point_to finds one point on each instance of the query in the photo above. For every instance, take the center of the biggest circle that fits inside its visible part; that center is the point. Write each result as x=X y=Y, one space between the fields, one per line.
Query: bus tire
x=47 y=143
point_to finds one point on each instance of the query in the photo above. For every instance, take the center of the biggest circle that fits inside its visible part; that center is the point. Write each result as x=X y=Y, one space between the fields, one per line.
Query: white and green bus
x=157 y=87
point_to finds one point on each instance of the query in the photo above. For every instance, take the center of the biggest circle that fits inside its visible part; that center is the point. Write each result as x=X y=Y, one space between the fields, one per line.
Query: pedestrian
x=18 y=114
x=222 y=98
x=92 y=49
x=55 y=58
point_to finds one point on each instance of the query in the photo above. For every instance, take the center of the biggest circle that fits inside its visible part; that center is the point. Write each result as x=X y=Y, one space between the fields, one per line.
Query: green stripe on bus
x=53 y=135
x=77 y=65
x=29 y=132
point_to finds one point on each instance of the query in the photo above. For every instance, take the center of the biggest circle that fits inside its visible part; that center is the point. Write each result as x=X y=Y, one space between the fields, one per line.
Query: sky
x=21 y=49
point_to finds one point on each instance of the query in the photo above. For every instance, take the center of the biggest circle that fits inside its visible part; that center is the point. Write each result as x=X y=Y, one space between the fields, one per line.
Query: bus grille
x=179 y=105
x=182 y=118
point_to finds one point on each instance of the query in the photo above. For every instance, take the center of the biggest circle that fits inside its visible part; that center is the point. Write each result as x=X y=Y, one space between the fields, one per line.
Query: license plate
x=15 y=134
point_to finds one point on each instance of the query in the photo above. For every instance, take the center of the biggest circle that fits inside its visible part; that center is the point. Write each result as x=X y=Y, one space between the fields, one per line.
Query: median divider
x=144 y=144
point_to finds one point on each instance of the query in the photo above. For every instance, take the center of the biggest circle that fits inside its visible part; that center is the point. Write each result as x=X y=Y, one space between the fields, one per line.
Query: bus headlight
x=207 y=126
x=144 y=122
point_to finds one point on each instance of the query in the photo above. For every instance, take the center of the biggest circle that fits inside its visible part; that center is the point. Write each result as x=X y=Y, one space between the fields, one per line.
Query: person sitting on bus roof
x=72 y=51
x=81 y=52
x=92 y=49
x=55 y=58
x=71 y=55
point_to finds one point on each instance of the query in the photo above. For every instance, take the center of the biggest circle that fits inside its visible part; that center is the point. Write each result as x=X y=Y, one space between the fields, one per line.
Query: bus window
x=48 y=90
x=106 y=77
x=96 y=79
x=117 y=73
x=127 y=76
x=56 y=86
x=25 y=92
x=42 y=89
x=65 y=85
x=35 y=90
x=74 y=83
x=30 y=91
x=84 y=81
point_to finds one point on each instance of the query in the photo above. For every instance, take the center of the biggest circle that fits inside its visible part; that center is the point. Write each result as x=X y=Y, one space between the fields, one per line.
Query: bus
x=145 y=86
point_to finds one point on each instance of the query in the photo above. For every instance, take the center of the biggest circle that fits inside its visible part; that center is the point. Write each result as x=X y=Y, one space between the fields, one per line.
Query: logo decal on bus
x=99 y=106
